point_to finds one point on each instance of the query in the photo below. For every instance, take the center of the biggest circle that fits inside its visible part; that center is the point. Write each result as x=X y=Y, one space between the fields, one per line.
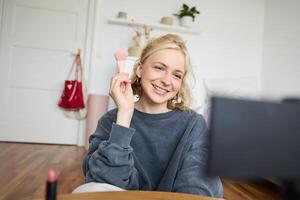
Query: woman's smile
x=159 y=90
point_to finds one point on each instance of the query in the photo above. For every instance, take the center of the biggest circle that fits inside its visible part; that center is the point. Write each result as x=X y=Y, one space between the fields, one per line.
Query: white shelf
x=162 y=27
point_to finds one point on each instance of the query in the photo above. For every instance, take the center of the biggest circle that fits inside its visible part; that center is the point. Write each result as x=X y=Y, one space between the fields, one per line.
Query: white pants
x=96 y=187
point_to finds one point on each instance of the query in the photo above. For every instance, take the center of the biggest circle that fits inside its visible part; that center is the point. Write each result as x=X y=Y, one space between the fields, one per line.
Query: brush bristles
x=121 y=55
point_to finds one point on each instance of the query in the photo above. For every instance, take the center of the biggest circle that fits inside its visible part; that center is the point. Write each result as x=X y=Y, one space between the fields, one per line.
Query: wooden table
x=132 y=195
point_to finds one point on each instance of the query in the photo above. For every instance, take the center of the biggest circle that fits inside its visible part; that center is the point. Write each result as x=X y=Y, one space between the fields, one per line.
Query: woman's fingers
x=121 y=91
x=123 y=76
x=118 y=80
x=128 y=86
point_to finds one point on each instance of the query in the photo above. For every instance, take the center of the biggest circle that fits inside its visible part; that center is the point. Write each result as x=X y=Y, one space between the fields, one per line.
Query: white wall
x=281 y=63
x=1 y=13
x=229 y=46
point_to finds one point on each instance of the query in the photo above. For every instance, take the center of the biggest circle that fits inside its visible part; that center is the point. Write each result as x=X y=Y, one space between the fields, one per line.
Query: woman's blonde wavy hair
x=168 y=41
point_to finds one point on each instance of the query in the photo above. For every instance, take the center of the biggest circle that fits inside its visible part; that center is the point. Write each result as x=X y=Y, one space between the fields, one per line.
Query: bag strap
x=78 y=71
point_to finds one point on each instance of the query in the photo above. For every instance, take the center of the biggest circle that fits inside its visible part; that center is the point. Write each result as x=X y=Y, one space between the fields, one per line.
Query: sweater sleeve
x=191 y=177
x=109 y=158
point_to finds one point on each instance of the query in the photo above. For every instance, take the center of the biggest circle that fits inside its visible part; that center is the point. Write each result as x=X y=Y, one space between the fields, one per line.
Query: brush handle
x=121 y=65
x=121 y=68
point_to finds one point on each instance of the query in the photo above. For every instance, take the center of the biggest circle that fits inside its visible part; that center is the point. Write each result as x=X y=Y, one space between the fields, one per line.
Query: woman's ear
x=139 y=70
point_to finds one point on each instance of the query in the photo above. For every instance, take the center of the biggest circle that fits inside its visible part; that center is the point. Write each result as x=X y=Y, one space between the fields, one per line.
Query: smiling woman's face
x=161 y=76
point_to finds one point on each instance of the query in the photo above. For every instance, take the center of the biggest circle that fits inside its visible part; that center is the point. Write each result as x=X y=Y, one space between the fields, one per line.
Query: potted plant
x=187 y=15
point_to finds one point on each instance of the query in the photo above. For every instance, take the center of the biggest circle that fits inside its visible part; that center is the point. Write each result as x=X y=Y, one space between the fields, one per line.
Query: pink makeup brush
x=121 y=58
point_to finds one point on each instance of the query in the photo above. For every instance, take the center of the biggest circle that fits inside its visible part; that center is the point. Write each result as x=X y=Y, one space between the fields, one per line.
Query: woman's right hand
x=122 y=94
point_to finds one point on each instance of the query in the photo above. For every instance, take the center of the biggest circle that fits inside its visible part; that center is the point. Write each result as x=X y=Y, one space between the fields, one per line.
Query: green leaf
x=185 y=7
x=186 y=11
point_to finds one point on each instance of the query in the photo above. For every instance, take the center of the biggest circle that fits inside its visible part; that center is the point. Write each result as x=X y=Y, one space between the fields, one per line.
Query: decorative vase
x=186 y=21
x=166 y=20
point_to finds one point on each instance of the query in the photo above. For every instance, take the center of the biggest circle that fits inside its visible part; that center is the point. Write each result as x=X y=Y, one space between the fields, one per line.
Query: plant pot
x=186 y=21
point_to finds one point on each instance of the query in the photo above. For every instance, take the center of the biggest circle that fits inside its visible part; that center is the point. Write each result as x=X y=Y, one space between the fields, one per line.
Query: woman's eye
x=178 y=76
x=158 y=67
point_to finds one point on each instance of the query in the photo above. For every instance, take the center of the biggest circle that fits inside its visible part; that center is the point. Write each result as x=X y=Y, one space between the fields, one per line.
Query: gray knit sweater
x=164 y=152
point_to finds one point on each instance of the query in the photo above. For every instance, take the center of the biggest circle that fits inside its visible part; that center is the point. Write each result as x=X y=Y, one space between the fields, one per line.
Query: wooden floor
x=24 y=168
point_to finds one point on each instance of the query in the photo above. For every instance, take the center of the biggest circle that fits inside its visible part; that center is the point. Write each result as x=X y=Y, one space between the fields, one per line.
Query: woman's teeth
x=160 y=89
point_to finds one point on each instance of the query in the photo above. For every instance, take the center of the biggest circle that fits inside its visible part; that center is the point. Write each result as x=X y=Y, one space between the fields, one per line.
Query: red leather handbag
x=72 y=95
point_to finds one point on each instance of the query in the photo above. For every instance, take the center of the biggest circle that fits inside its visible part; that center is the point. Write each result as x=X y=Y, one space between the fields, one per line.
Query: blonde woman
x=157 y=142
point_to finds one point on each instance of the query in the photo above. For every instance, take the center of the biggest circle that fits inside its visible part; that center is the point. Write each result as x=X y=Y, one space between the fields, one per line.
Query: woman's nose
x=166 y=79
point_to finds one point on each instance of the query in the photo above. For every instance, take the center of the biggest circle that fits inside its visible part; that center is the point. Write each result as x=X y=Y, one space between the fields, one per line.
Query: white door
x=37 y=39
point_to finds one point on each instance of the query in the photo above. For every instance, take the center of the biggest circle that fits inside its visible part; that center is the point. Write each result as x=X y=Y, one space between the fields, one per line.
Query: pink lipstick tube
x=51 y=186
